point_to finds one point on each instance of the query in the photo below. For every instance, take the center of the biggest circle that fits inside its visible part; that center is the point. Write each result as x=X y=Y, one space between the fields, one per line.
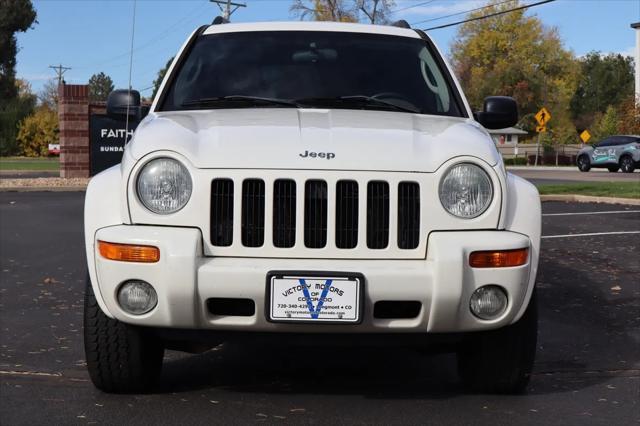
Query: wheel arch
x=103 y=207
x=524 y=215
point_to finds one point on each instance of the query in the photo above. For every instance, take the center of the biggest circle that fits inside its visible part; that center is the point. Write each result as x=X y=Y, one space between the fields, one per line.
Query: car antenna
x=133 y=31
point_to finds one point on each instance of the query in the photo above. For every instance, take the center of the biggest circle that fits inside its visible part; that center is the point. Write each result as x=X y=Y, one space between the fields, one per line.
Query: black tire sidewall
x=121 y=358
x=500 y=361
x=584 y=165
x=626 y=164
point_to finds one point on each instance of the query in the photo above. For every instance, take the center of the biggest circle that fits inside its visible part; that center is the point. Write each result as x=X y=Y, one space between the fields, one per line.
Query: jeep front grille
x=284 y=213
x=377 y=215
x=222 y=212
x=253 y=213
x=408 y=215
x=346 y=214
x=314 y=214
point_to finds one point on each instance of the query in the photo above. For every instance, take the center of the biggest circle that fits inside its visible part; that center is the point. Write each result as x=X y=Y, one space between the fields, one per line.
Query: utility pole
x=60 y=70
x=225 y=7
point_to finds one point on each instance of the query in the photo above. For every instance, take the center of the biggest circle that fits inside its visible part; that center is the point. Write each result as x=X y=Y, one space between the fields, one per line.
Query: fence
x=558 y=155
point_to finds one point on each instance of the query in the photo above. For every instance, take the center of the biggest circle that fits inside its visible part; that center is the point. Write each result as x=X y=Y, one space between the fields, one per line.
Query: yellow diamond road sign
x=585 y=136
x=543 y=116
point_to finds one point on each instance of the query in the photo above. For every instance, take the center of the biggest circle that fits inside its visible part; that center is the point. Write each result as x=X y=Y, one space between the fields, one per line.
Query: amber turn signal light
x=129 y=252
x=498 y=258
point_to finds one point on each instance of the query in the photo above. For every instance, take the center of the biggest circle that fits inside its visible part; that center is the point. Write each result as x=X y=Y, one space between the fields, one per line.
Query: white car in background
x=615 y=153
x=311 y=179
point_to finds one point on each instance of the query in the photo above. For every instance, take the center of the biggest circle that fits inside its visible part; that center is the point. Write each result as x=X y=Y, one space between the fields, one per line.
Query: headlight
x=164 y=185
x=466 y=190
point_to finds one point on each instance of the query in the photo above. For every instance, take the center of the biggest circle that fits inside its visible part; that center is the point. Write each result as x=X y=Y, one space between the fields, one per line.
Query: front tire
x=500 y=361
x=584 y=165
x=121 y=358
x=626 y=164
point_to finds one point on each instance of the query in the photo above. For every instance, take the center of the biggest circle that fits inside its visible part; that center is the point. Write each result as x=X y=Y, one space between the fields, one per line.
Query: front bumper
x=184 y=280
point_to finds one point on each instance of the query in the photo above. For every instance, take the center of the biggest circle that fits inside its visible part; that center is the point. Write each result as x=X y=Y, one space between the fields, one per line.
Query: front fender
x=103 y=206
x=524 y=215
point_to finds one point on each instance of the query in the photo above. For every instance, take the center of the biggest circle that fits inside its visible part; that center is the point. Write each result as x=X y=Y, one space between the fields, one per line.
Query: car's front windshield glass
x=312 y=69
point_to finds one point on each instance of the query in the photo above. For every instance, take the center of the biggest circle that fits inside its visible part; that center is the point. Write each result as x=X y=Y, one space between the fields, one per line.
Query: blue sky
x=94 y=36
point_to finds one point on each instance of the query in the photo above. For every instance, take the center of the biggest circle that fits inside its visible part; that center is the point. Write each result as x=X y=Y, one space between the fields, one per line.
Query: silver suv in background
x=615 y=153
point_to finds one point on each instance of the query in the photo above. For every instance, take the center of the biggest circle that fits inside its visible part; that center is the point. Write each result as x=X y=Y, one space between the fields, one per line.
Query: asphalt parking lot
x=587 y=369
x=565 y=175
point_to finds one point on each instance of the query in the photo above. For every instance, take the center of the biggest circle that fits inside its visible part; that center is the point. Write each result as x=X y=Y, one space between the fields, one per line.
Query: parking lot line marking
x=593 y=234
x=29 y=373
x=577 y=213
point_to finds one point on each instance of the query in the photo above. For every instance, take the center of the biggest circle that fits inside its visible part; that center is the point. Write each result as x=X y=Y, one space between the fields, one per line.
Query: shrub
x=37 y=131
x=515 y=161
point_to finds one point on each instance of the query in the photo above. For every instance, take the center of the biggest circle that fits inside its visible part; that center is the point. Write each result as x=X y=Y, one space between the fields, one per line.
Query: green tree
x=37 y=131
x=15 y=16
x=100 y=85
x=11 y=114
x=607 y=124
x=604 y=80
x=516 y=55
x=629 y=117
x=158 y=81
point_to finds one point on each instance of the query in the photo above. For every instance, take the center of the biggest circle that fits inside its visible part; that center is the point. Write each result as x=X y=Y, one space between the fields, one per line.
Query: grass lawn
x=29 y=163
x=598 y=189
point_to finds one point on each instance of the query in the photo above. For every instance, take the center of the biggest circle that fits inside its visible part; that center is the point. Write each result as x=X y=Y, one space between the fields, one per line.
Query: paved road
x=562 y=175
x=587 y=369
x=28 y=174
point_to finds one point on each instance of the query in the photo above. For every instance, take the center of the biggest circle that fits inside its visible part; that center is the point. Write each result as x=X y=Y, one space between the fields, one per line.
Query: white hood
x=275 y=138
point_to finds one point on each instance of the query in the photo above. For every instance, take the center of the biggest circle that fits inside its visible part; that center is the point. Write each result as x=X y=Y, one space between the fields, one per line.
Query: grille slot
x=253 y=212
x=347 y=214
x=377 y=215
x=408 y=215
x=222 y=212
x=315 y=214
x=284 y=213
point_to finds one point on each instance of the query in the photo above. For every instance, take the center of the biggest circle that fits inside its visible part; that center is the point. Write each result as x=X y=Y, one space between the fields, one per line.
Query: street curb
x=590 y=199
x=558 y=169
x=43 y=189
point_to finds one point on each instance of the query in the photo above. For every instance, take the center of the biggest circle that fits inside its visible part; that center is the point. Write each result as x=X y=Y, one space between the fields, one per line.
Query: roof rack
x=218 y=20
x=402 y=24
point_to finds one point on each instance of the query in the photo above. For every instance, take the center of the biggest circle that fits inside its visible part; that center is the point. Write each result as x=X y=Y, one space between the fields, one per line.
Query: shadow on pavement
x=581 y=329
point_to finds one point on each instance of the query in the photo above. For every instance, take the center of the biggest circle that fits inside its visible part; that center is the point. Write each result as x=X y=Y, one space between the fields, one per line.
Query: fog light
x=488 y=302
x=137 y=297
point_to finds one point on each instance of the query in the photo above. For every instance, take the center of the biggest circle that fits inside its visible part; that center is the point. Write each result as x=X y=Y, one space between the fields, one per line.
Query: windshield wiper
x=249 y=100
x=361 y=100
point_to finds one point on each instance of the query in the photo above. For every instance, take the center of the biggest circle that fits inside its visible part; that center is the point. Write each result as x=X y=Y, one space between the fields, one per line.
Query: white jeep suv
x=311 y=179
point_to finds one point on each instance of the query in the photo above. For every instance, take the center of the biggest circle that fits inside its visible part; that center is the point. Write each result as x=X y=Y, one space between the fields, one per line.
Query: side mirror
x=118 y=101
x=499 y=112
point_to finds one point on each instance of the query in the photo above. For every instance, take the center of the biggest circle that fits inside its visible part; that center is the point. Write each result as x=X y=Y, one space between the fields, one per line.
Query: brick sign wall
x=73 y=115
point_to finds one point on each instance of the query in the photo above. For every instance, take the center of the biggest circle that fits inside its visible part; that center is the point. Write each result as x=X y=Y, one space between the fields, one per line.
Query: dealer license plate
x=303 y=298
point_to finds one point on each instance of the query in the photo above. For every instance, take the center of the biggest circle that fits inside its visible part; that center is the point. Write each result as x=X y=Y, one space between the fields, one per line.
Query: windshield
x=289 y=69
